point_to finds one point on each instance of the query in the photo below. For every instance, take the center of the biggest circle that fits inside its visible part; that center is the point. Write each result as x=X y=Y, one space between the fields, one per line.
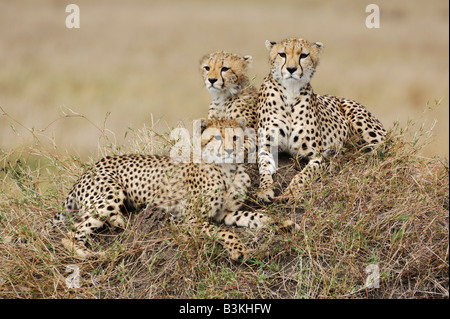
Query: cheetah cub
x=225 y=77
x=305 y=124
x=211 y=189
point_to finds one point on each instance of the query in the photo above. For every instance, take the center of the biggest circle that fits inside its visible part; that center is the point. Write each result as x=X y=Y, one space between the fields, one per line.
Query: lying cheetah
x=120 y=183
x=225 y=77
x=304 y=123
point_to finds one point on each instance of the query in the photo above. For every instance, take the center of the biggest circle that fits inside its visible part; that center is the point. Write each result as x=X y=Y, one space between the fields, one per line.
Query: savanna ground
x=385 y=210
x=129 y=74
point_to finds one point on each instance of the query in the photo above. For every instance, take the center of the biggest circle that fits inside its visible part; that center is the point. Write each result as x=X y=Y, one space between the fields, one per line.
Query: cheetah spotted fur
x=225 y=77
x=301 y=122
x=116 y=184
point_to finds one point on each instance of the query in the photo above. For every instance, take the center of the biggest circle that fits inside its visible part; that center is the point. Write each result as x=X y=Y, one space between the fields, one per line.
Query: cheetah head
x=222 y=140
x=293 y=60
x=225 y=74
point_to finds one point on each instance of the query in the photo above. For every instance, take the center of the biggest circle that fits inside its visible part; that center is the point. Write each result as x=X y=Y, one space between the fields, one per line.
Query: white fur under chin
x=292 y=84
x=224 y=93
x=293 y=87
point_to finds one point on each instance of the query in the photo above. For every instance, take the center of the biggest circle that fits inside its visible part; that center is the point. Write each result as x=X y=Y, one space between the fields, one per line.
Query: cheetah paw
x=79 y=250
x=266 y=195
x=290 y=195
x=241 y=253
x=288 y=225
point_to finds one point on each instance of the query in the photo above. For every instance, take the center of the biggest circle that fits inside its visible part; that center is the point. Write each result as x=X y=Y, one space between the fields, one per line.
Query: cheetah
x=120 y=183
x=301 y=122
x=225 y=77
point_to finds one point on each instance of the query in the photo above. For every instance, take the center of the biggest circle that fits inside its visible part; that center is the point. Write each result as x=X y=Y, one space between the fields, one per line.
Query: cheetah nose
x=212 y=80
x=229 y=151
x=291 y=70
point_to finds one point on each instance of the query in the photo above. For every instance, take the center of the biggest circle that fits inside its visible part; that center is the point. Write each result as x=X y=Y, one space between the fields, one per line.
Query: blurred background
x=138 y=61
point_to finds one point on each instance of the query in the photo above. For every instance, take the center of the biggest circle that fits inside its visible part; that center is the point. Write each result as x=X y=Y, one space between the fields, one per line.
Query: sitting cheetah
x=119 y=183
x=226 y=79
x=304 y=124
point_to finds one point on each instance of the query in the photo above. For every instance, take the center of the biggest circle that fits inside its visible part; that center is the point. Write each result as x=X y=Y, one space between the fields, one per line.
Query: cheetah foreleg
x=78 y=247
x=256 y=219
x=308 y=174
x=267 y=168
x=237 y=191
x=267 y=149
x=230 y=241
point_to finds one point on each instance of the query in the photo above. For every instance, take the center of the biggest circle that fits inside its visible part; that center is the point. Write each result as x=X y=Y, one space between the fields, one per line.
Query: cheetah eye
x=282 y=54
x=218 y=137
x=225 y=69
x=304 y=55
x=235 y=138
x=206 y=68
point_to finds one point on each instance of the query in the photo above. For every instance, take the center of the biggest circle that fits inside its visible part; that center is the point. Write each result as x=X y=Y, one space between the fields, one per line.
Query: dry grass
x=388 y=208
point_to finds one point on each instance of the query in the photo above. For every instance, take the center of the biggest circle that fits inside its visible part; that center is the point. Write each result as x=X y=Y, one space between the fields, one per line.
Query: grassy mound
x=374 y=225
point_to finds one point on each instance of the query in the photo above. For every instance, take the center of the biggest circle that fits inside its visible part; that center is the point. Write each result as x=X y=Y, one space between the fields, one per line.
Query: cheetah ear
x=269 y=44
x=203 y=124
x=200 y=125
x=319 y=46
x=204 y=59
x=247 y=60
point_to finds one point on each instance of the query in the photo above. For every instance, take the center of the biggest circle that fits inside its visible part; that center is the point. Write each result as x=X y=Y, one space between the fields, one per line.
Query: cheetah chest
x=295 y=126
